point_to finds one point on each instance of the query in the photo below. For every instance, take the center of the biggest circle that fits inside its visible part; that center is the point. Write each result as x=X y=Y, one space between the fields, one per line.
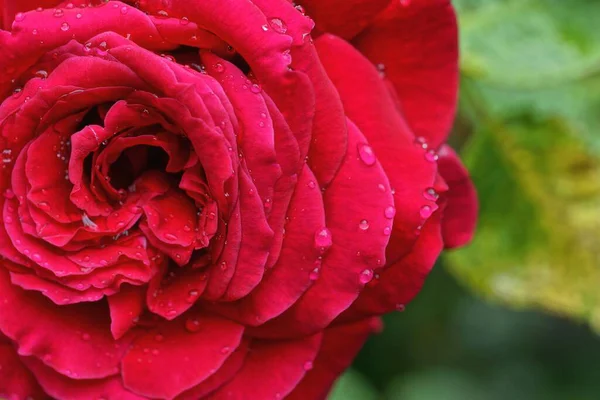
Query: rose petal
x=417 y=44
x=17 y=381
x=61 y=387
x=359 y=240
x=339 y=347
x=73 y=340
x=460 y=214
x=285 y=361
x=192 y=356
x=367 y=102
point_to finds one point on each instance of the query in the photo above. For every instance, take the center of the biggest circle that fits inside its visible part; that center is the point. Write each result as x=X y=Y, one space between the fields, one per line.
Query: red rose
x=203 y=200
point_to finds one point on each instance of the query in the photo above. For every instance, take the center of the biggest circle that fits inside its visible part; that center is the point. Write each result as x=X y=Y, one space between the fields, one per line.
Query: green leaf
x=352 y=386
x=529 y=43
x=539 y=186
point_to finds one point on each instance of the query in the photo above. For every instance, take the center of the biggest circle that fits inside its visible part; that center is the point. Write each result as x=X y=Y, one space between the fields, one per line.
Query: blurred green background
x=516 y=315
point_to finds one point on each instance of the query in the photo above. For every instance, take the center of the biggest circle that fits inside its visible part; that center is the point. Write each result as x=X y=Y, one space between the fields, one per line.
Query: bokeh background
x=516 y=315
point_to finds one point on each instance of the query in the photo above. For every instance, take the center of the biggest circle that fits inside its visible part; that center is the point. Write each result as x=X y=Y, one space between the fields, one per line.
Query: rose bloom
x=218 y=199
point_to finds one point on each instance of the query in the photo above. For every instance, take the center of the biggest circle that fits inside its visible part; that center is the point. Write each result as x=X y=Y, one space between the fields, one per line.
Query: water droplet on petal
x=363 y=225
x=219 y=67
x=265 y=28
x=323 y=239
x=389 y=212
x=64 y=27
x=184 y=21
x=426 y=212
x=366 y=276
x=400 y=307
x=36 y=257
x=421 y=142
x=192 y=296
x=308 y=366
x=170 y=236
x=124 y=10
x=278 y=25
x=42 y=74
x=311 y=184
x=314 y=274
x=225 y=350
x=255 y=88
x=58 y=12
x=387 y=231
x=431 y=156
x=365 y=153
x=19 y=17
x=430 y=194
x=192 y=325
x=223 y=266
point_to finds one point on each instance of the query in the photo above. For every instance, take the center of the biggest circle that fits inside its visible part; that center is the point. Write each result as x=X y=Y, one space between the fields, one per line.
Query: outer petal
x=417 y=43
x=338 y=349
x=410 y=169
x=401 y=281
x=173 y=359
x=9 y=8
x=74 y=340
x=460 y=214
x=277 y=365
x=344 y=18
x=360 y=233
x=60 y=387
x=16 y=381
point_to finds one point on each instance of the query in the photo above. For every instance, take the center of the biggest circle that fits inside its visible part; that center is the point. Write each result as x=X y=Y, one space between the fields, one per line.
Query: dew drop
x=381 y=187
x=400 y=307
x=192 y=296
x=58 y=12
x=219 y=67
x=363 y=225
x=170 y=236
x=255 y=88
x=314 y=274
x=311 y=184
x=431 y=156
x=9 y=194
x=265 y=28
x=323 y=239
x=389 y=212
x=36 y=257
x=184 y=21
x=365 y=153
x=223 y=266
x=387 y=231
x=278 y=25
x=42 y=74
x=78 y=16
x=19 y=17
x=421 y=142
x=192 y=325
x=124 y=10
x=34 y=32
x=430 y=194
x=308 y=366
x=64 y=27
x=425 y=212
x=366 y=276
